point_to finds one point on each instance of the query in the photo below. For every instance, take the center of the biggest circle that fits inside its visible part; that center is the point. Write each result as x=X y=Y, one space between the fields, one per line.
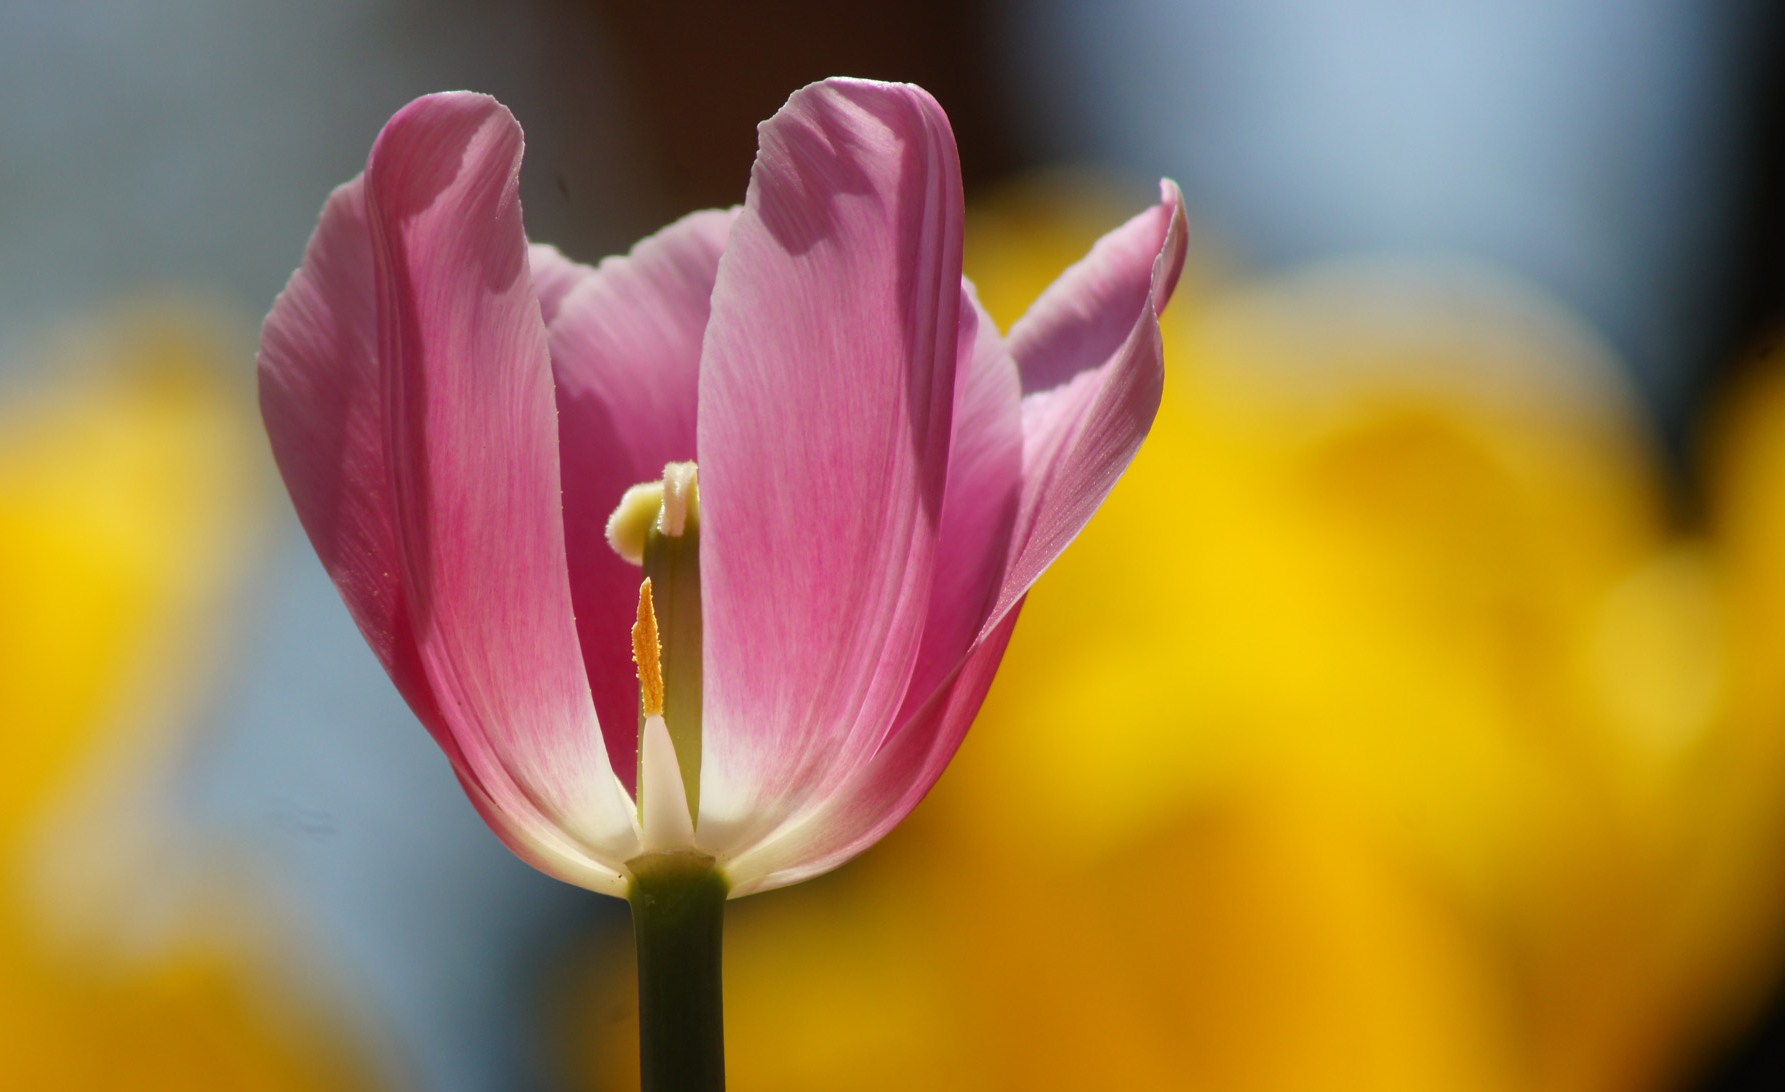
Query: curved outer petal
x=321 y=398
x=1093 y=370
x=626 y=354
x=321 y=394
x=472 y=440
x=826 y=392
x=979 y=507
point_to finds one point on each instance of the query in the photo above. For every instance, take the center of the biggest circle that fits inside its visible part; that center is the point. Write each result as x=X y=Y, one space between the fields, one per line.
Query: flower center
x=657 y=527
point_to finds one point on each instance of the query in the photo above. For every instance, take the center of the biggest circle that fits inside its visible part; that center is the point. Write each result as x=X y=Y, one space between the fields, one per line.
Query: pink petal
x=1093 y=371
x=472 y=433
x=826 y=392
x=554 y=277
x=533 y=839
x=321 y=396
x=979 y=507
x=978 y=512
x=626 y=352
x=879 y=795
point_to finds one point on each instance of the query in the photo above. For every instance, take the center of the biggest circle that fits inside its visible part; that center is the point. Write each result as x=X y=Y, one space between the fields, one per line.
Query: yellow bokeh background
x=130 y=959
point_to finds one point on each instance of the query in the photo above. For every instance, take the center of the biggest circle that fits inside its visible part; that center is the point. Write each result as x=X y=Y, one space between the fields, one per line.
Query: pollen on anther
x=647 y=653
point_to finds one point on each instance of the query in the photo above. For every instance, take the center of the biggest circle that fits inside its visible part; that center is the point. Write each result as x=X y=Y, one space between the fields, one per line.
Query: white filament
x=664 y=819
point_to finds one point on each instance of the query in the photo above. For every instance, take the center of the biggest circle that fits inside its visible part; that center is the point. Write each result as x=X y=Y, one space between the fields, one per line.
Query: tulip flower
x=698 y=563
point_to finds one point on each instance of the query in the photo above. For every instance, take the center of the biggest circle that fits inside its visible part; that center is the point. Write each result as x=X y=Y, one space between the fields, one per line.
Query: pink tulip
x=881 y=476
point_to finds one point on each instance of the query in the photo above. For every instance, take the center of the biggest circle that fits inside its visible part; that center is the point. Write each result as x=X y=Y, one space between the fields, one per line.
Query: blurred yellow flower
x=125 y=509
x=1383 y=732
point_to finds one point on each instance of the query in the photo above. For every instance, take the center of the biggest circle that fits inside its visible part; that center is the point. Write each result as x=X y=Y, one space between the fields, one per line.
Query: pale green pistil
x=657 y=526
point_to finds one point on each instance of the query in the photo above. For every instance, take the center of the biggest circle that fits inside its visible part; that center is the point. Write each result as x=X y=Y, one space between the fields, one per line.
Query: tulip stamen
x=647 y=654
x=666 y=815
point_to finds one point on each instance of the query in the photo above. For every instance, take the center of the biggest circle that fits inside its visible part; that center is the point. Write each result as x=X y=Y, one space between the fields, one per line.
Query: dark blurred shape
x=1744 y=328
x=701 y=74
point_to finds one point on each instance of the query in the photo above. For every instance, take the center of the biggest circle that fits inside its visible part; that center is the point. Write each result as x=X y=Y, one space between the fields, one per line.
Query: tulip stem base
x=678 y=909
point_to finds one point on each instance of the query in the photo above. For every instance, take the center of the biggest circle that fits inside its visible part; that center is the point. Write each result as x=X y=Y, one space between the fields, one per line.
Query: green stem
x=678 y=908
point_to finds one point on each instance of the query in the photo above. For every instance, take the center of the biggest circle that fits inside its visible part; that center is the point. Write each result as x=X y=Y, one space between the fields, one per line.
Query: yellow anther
x=647 y=653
